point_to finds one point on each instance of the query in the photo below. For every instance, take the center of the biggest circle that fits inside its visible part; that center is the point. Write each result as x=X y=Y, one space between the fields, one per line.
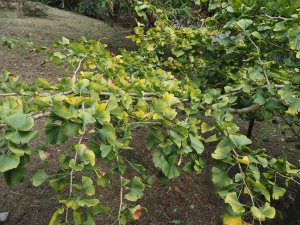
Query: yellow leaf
x=92 y=66
x=119 y=59
x=149 y=47
x=244 y=160
x=101 y=107
x=124 y=117
x=74 y=101
x=140 y=114
x=233 y=220
x=157 y=116
x=170 y=99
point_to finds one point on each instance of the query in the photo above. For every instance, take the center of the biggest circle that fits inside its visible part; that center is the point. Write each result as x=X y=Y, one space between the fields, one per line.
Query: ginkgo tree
x=186 y=86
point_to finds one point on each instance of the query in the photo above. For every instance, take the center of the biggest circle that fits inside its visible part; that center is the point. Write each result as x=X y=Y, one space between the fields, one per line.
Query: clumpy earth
x=189 y=199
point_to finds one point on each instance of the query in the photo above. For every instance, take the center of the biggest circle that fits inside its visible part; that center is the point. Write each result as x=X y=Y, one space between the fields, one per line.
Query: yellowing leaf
x=233 y=220
x=244 y=160
x=101 y=107
x=140 y=114
x=149 y=47
x=75 y=101
x=170 y=99
x=119 y=59
x=233 y=201
x=156 y=116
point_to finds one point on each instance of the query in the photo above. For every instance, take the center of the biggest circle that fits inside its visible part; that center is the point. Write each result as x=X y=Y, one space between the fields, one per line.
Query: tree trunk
x=20 y=8
x=250 y=128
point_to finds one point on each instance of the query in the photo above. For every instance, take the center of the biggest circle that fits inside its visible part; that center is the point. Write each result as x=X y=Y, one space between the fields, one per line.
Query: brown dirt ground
x=189 y=199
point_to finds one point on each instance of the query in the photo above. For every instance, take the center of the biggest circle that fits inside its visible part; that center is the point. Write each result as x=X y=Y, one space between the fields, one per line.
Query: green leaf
x=87 y=155
x=39 y=177
x=88 y=202
x=112 y=106
x=20 y=137
x=16 y=175
x=105 y=150
x=179 y=135
x=171 y=171
x=75 y=165
x=223 y=150
x=159 y=160
x=239 y=140
x=108 y=133
x=19 y=150
x=244 y=23
x=100 y=209
x=103 y=117
x=87 y=186
x=20 y=121
x=278 y=192
x=178 y=52
x=294 y=38
x=255 y=73
x=263 y=212
x=136 y=190
x=55 y=134
x=233 y=201
x=63 y=111
x=71 y=128
x=254 y=171
x=196 y=144
x=220 y=178
x=77 y=218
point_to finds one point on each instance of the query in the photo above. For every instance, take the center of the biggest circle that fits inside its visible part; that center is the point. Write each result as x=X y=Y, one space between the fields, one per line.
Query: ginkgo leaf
x=234 y=220
x=20 y=121
x=233 y=201
x=261 y=213
x=170 y=99
x=39 y=177
x=278 y=192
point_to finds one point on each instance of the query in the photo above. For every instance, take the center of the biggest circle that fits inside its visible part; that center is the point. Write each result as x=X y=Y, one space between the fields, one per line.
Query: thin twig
x=260 y=61
x=276 y=17
x=74 y=77
x=284 y=176
x=79 y=142
x=121 y=199
x=72 y=170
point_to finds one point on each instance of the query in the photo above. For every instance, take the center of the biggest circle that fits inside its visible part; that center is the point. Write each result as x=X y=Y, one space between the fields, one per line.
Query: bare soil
x=189 y=199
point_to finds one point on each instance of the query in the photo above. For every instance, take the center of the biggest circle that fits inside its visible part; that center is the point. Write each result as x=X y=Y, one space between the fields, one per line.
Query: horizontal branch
x=249 y=109
x=277 y=17
x=241 y=91
x=34 y=94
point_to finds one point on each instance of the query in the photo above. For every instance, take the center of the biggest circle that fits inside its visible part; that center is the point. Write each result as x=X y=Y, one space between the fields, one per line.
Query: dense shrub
x=34 y=9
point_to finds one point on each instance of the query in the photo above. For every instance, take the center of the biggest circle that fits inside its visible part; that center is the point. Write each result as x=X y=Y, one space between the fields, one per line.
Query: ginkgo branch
x=121 y=200
x=74 y=77
x=260 y=61
x=72 y=170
